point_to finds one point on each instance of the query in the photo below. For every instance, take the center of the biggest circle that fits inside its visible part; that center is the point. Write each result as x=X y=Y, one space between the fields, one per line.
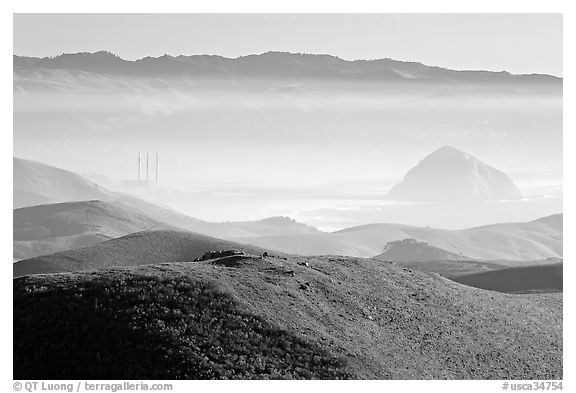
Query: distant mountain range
x=273 y=65
x=449 y=174
x=510 y=244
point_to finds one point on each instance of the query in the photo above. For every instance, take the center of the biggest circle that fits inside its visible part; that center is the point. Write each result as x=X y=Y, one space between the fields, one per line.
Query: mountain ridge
x=283 y=63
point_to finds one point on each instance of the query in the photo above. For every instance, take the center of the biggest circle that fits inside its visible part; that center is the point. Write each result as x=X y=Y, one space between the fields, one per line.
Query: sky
x=517 y=43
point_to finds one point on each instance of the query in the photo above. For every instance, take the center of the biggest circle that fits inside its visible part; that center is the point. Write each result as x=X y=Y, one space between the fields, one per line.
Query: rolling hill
x=271 y=226
x=333 y=318
x=35 y=183
x=46 y=229
x=539 y=278
x=139 y=248
x=410 y=250
x=509 y=243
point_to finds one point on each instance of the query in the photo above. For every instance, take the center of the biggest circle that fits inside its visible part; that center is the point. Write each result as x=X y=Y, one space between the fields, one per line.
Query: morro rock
x=449 y=174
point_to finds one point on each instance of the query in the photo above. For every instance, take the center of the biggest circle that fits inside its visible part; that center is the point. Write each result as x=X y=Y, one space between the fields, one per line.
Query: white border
x=258 y=6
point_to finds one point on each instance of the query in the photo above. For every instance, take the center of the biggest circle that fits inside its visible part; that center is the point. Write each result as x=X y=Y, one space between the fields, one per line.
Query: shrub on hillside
x=140 y=327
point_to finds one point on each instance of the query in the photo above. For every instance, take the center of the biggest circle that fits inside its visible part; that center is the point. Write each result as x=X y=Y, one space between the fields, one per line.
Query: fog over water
x=320 y=149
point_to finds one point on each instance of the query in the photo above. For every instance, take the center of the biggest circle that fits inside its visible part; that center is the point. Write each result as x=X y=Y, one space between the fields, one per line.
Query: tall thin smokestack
x=139 y=166
x=157 y=169
x=147 y=169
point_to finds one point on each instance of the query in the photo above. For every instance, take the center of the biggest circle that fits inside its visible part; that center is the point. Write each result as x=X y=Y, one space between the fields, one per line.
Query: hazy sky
x=518 y=43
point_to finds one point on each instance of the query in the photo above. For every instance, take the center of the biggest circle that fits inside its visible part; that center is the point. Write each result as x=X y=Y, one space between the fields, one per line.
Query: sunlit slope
x=383 y=320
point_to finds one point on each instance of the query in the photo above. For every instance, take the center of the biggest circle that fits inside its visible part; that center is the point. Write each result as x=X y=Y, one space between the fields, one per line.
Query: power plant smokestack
x=157 y=169
x=147 y=169
x=139 y=166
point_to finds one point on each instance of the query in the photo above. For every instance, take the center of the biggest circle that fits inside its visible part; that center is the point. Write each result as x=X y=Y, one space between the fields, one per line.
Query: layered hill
x=139 y=248
x=508 y=243
x=46 y=229
x=271 y=226
x=449 y=174
x=540 y=278
x=279 y=318
x=35 y=183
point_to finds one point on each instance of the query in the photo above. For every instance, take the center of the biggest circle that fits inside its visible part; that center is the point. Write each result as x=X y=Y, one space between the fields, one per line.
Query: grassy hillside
x=135 y=249
x=141 y=327
x=542 y=278
x=46 y=229
x=195 y=320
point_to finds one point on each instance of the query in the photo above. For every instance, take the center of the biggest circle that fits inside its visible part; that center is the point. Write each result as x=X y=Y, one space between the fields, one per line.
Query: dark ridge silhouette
x=275 y=65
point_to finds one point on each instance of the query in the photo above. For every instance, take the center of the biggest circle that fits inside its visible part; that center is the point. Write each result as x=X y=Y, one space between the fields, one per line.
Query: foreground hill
x=46 y=229
x=244 y=317
x=540 y=278
x=135 y=249
x=449 y=174
x=509 y=243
